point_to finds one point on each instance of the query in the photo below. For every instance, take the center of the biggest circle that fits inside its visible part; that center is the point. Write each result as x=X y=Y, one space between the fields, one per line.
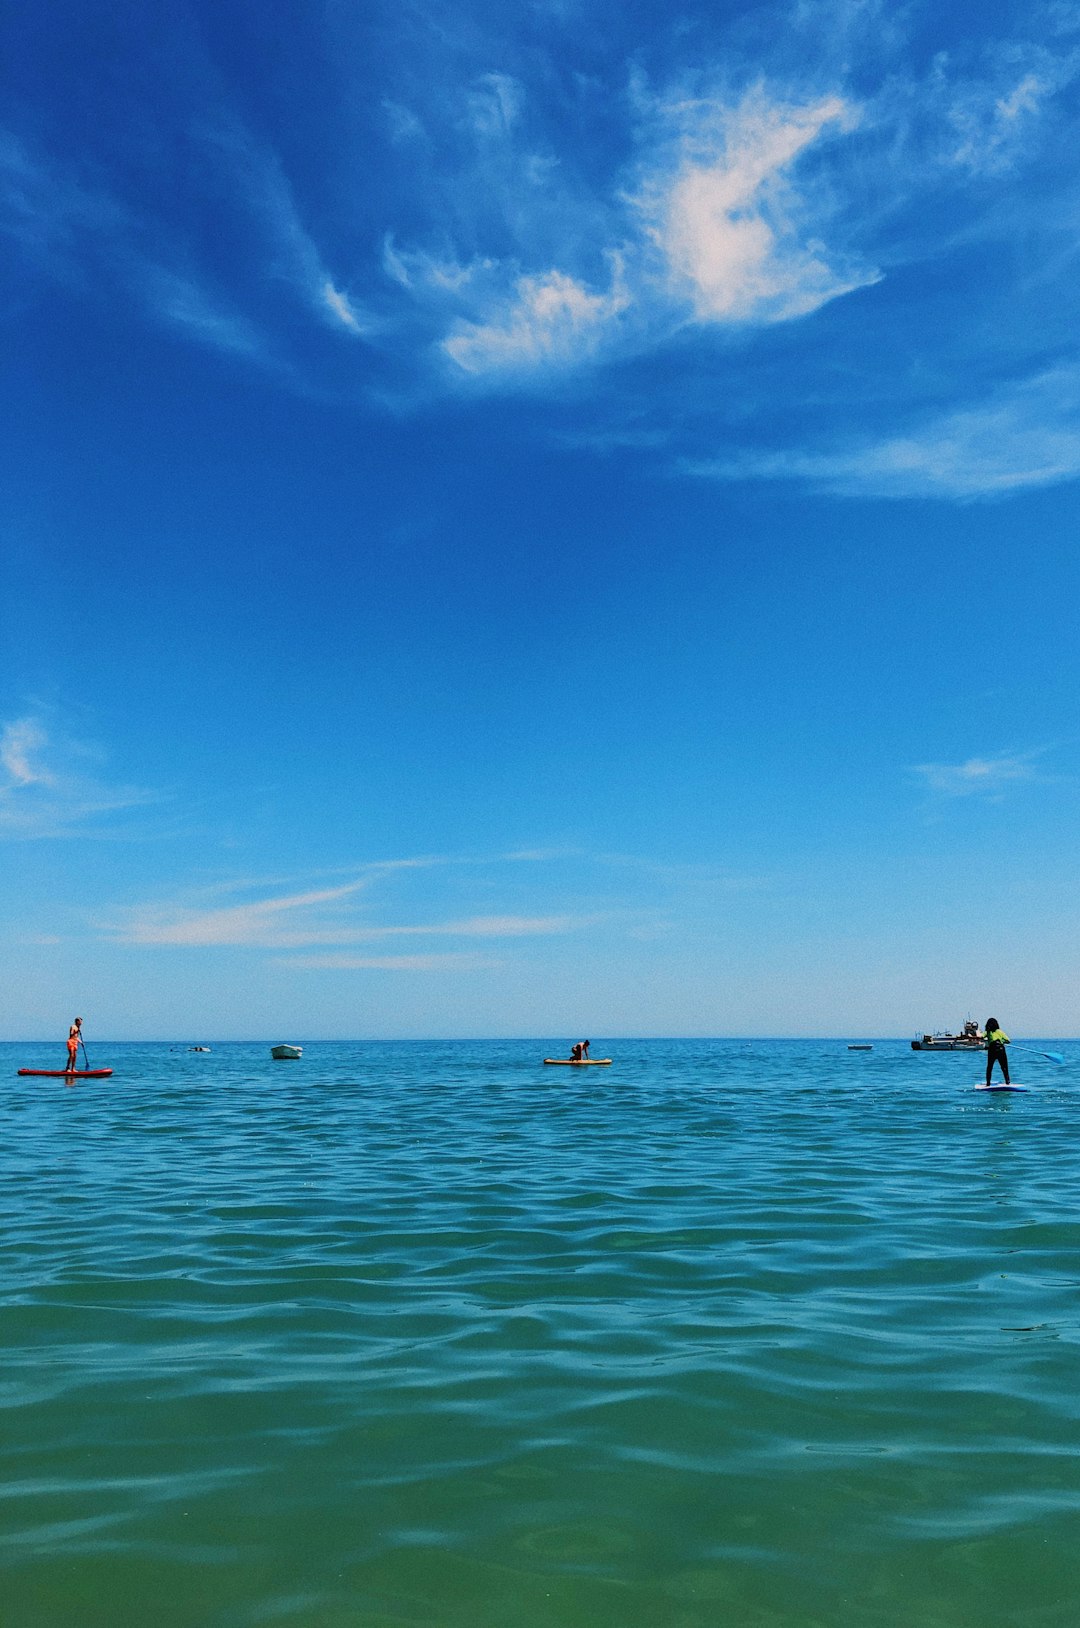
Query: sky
x=543 y=520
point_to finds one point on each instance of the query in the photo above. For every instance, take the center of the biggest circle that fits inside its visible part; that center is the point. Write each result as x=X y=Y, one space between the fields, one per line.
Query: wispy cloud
x=716 y=232
x=451 y=962
x=494 y=927
x=47 y=788
x=990 y=118
x=22 y=743
x=316 y=916
x=265 y=923
x=730 y=221
x=80 y=231
x=540 y=856
x=339 y=304
x=548 y=320
x=709 y=225
x=1027 y=435
x=283 y=242
x=526 y=227
x=978 y=776
x=183 y=302
x=742 y=201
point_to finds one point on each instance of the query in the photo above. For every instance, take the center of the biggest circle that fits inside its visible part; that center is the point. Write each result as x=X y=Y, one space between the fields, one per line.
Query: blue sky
x=539 y=520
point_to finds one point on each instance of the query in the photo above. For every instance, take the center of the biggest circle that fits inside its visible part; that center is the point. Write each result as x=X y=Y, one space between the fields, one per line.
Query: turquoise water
x=759 y=1334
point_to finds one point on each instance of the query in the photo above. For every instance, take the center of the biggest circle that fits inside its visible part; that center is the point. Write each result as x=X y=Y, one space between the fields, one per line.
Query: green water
x=422 y=1334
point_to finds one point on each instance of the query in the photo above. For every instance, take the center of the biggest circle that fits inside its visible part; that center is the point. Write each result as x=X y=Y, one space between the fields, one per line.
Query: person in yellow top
x=996 y=1041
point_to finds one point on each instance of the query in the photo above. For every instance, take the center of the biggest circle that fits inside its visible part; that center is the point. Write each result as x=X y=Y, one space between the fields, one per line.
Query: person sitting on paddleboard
x=996 y=1041
x=73 y=1041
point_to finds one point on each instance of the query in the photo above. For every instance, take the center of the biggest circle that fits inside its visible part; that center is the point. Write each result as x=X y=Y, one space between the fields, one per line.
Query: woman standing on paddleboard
x=996 y=1041
x=74 y=1042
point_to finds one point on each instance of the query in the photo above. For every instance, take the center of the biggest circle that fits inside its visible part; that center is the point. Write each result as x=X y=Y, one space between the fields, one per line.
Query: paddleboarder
x=996 y=1041
x=73 y=1043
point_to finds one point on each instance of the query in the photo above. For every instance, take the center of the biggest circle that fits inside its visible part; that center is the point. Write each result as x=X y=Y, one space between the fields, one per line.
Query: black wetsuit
x=996 y=1053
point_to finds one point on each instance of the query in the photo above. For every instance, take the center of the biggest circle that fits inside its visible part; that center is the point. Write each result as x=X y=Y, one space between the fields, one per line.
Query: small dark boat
x=860 y=1048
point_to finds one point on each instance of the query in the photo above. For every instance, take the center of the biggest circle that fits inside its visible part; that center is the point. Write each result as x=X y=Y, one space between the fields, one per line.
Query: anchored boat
x=282 y=1052
x=970 y=1038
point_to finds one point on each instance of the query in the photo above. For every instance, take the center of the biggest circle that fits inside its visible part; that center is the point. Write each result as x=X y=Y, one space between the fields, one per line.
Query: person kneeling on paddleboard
x=73 y=1042
x=996 y=1041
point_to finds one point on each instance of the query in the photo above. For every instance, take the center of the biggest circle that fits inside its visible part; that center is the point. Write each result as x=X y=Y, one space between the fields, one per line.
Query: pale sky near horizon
x=544 y=520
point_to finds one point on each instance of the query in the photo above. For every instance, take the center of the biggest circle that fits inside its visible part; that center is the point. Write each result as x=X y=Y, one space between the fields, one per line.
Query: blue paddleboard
x=1002 y=1087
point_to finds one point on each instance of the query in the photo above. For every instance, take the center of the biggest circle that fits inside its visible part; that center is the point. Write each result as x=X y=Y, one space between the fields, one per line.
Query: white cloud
x=256 y=924
x=549 y=319
x=1026 y=436
x=20 y=745
x=991 y=119
x=729 y=221
x=43 y=790
x=289 y=250
x=536 y=220
x=539 y=856
x=185 y=303
x=72 y=230
x=426 y=274
x=339 y=304
x=493 y=927
x=718 y=227
x=451 y=962
x=977 y=776
x=316 y=916
x=494 y=104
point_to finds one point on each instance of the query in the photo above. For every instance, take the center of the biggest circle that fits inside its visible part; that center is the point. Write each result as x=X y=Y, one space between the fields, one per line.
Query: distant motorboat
x=198 y=1048
x=860 y=1048
x=282 y=1052
x=970 y=1038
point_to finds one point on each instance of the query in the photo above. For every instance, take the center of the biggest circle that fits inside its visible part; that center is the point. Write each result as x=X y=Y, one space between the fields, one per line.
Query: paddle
x=1052 y=1056
x=82 y=1043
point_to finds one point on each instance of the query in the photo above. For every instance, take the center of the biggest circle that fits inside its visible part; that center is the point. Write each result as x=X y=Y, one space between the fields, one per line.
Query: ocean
x=766 y=1334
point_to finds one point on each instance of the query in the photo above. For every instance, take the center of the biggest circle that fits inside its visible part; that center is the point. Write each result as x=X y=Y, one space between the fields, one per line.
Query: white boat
x=970 y=1038
x=281 y=1052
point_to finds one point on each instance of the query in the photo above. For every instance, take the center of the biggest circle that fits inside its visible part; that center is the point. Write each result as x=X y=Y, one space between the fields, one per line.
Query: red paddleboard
x=68 y=1073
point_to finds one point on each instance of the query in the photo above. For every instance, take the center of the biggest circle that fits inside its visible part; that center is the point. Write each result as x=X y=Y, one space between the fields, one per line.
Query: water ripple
x=768 y=1333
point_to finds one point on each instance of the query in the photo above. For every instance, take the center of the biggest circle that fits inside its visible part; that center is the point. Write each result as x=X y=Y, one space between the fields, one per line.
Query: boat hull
x=948 y=1045
x=286 y=1053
